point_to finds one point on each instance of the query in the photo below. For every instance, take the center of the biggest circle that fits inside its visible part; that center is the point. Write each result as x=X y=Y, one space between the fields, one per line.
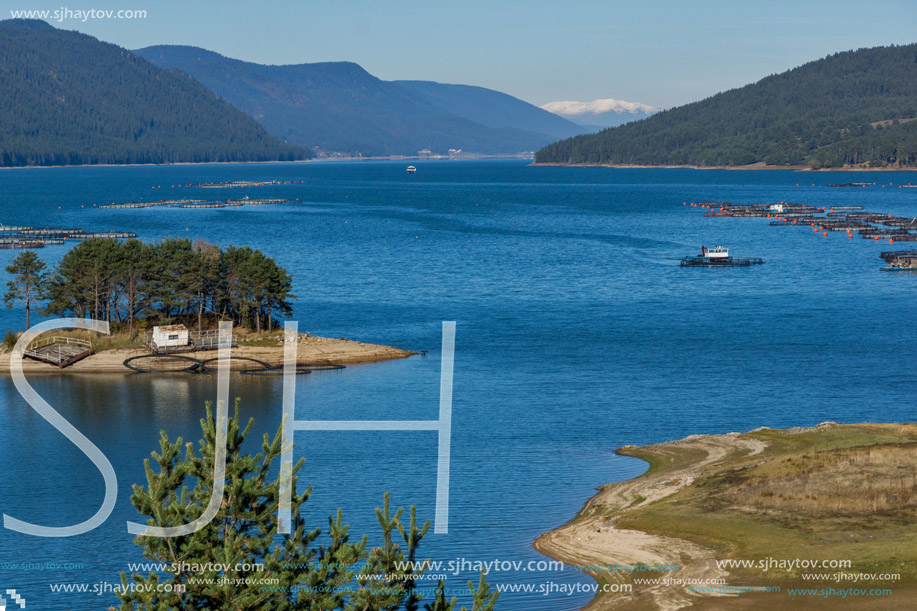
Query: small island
x=137 y=286
x=788 y=518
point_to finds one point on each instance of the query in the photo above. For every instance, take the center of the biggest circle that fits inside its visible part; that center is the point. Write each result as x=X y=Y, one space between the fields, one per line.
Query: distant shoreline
x=753 y=166
x=469 y=157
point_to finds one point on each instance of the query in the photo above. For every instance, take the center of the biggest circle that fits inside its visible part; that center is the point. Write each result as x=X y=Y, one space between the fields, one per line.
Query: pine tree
x=29 y=283
x=260 y=569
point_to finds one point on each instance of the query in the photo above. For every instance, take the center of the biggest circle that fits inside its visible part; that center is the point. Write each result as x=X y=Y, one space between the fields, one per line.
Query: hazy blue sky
x=656 y=52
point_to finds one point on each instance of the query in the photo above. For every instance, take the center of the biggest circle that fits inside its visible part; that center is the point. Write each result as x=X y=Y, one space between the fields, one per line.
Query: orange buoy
x=876 y=238
x=825 y=234
x=891 y=240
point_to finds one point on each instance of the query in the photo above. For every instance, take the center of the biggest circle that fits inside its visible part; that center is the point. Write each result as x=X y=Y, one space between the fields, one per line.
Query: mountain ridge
x=844 y=110
x=339 y=107
x=67 y=98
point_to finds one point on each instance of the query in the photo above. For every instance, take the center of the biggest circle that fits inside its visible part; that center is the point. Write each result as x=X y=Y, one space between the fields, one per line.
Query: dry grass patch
x=855 y=481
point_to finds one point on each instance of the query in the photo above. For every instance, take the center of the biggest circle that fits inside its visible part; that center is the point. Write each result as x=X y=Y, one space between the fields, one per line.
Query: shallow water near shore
x=577 y=333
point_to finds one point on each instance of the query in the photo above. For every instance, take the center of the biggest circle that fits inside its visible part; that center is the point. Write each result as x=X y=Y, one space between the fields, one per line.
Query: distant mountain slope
x=492 y=108
x=66 y=98
x=607 y=112
x=342 y=108
x=851 y=108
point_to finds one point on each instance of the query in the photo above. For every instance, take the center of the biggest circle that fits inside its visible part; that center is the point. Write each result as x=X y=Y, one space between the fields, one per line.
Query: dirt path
x=593 y=539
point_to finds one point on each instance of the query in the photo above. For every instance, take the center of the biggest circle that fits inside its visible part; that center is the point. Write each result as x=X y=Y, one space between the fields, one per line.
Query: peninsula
x=816 y=517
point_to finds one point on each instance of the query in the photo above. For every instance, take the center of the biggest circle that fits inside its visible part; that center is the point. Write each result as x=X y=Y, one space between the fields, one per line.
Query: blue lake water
x=577 y=333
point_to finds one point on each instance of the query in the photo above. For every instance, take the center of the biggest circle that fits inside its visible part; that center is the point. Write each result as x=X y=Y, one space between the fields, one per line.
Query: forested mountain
x=492 y=108
x=67 y=98
x=851 y=108
x=339 y=107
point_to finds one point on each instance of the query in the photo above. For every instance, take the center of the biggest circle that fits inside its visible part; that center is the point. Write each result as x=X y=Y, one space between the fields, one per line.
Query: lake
x=577 y=332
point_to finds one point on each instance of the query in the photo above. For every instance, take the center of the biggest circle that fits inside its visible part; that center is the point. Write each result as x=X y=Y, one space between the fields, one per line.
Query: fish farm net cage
x=301 y=368
x=174 y=363
x=251 y=366
x=162 y=363
x=237 y=364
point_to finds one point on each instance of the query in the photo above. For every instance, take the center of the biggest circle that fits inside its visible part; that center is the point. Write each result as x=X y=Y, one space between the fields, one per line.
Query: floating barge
x=868 y=225
x=31 y=237
x=135 y=205
x=900 y=261
x=717 y=257
x=200 y=203
x=12 y=244
x=245 y=183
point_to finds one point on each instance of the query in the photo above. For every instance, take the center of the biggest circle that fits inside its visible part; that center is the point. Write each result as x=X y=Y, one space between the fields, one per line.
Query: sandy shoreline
x=833 y=491
x=592 y=539
x=311 y=349
x=753 y=166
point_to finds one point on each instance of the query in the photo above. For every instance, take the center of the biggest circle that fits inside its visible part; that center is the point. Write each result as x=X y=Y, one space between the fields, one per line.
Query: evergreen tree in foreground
x=29 y=283
x=259 y=569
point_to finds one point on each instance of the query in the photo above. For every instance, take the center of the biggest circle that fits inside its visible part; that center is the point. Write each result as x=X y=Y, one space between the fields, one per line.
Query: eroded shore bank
x=826 y=492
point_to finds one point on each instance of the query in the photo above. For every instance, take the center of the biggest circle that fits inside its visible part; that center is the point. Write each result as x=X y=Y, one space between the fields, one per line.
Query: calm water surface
x=577 y=333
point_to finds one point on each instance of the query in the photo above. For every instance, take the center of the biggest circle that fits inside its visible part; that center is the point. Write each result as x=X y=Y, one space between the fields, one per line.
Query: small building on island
x=170 y=336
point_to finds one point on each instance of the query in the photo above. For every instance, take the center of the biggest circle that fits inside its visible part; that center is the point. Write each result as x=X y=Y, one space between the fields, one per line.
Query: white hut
x=170 y=336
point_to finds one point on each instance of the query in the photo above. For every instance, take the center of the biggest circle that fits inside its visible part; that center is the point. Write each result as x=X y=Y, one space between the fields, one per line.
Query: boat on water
x=718 y=257
x=411 y=169
x=900 y=266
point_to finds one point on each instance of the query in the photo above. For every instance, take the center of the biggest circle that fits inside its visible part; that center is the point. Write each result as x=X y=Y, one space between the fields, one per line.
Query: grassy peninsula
x=768 y=499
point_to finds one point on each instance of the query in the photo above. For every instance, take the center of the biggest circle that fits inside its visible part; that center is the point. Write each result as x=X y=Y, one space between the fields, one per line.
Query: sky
x=655 y=52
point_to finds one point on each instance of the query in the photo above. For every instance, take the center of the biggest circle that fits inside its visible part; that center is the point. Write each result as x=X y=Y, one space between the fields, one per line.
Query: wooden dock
x=60 y=351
